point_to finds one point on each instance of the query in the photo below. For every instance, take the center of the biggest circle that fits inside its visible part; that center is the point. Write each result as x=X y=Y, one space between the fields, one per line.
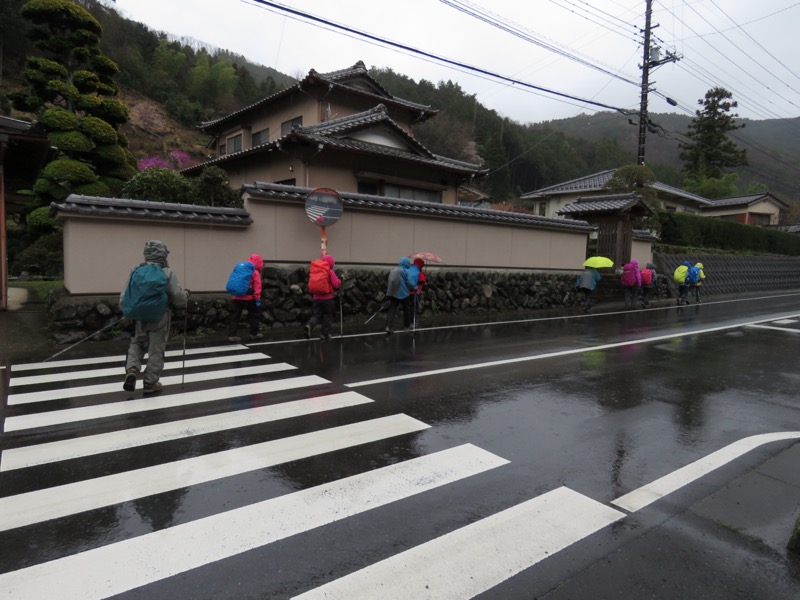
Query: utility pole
x=650 y=60
x=645 y=83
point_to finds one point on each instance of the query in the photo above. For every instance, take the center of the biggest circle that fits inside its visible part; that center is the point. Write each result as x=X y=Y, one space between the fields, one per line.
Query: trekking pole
x=84 y=339
x=341 y=313
x=185 y=323
x=376 y=314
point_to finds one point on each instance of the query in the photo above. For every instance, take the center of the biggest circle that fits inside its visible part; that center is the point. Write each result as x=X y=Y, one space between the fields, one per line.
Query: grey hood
x=156 y=252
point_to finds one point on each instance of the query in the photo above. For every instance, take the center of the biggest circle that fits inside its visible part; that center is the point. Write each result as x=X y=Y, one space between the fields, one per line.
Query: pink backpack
x=628 y=275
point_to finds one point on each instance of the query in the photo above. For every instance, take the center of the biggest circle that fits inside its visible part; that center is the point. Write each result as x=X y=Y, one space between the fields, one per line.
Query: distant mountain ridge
x=773 y=146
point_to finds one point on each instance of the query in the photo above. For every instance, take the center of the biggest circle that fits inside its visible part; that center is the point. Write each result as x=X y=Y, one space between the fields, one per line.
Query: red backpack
x=319 y=281
x=647 y=276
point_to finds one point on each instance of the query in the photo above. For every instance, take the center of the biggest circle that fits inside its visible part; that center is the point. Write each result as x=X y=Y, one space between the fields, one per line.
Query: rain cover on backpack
x=319 y=280
x=145 y=297
x=239 y=279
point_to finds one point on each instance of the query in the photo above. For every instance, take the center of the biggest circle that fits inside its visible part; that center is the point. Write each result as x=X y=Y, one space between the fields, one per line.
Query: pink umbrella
x=428 y=257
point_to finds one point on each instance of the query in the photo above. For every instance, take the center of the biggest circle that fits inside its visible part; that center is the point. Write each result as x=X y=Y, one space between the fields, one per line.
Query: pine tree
x=71 y=91
x=709 y=150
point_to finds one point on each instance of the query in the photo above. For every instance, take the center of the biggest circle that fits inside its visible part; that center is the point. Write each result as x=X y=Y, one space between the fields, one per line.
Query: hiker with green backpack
x=152 y=287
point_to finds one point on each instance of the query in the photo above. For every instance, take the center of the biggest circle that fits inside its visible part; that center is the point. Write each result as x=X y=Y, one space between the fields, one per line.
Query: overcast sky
x=594 y=50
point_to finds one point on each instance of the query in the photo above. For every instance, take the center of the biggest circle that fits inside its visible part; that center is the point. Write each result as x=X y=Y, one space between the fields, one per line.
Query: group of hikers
x=638 y=284
x=153 y=287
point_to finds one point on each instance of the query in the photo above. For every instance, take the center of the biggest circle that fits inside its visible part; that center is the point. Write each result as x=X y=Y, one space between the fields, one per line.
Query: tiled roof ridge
x=387 y=202
x=331 y=78
x=150 y=209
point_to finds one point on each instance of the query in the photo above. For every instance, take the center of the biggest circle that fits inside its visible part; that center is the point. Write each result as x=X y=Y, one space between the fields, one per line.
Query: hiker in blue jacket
x=401 y=282
x=586 y=284
x=151 y=337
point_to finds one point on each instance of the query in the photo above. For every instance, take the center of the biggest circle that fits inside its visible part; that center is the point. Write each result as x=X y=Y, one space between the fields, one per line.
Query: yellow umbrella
x=598 y=262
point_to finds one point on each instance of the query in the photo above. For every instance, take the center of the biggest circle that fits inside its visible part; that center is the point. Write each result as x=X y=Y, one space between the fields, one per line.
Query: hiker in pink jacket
x=250 y=302
x=631 y=283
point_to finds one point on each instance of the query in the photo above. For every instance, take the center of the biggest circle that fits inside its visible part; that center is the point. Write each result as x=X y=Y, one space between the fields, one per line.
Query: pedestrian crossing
x=69 y=430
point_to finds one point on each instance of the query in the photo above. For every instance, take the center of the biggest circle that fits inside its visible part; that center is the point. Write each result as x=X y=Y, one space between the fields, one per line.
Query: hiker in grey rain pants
x=151 y=338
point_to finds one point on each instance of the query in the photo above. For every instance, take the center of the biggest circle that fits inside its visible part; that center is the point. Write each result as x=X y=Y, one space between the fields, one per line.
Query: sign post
x=323 y=208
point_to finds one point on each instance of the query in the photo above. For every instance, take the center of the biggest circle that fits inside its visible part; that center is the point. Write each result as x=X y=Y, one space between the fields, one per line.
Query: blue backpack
x=239 y=279
x=145 y=296
x=693 y=275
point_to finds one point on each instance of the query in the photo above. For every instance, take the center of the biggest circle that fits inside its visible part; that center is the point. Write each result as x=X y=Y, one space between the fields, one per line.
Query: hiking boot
x=388 y=330
x=152 y=388
x=130 y=379
x=307 y=332
x=407 y=329
x=234 y=339
x=257 y=336
x=325 y=337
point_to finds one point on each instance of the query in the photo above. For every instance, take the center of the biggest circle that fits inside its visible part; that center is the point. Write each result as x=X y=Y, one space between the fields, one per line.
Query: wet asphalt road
x=600 y=405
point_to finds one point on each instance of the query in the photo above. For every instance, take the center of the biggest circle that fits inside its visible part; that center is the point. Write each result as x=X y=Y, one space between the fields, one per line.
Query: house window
x=761 y=219
x=542 y=209
x=260 y=137
x=410 y=193
x=222 y=150
x=234 y=144
x=286 y=126
x=369 y=187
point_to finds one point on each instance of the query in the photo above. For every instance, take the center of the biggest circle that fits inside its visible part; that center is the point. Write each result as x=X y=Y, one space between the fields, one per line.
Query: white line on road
x=783 y=329
x=112 y=371
x=472 y=559
x=80 y=362
x=129 y=407
x=122 y=566
x=641 y=497
x=27 y=456
x=107 y=388
x=521 y=359
x=51 y=503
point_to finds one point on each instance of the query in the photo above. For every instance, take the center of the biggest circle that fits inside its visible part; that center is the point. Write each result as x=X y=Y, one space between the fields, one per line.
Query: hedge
x=681 y=229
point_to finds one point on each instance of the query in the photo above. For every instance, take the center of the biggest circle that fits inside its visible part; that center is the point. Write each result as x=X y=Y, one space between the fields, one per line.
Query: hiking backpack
x=145 y=296
x=693 y=275
x=647 y=277
x=628 y=275
x=319 y=281
x=239 y=279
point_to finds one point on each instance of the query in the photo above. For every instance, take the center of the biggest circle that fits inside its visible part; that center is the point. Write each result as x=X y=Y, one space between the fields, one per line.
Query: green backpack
x=146 y=297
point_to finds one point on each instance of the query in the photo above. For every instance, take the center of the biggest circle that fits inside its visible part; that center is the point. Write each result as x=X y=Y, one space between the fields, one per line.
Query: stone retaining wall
x=448 y=292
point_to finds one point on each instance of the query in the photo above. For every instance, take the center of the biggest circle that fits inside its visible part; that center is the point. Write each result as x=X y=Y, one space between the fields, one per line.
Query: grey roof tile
x=339 y=78
x=298 y=194
x=150 y=210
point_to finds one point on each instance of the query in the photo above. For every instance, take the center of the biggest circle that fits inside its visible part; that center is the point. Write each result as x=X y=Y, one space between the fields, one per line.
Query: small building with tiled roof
x=339 y=130
x=752 y=209
x=551 y=200
x=615 y=216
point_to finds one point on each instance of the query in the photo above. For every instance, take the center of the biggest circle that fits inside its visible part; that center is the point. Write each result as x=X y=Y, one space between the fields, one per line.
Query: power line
x=429 y=55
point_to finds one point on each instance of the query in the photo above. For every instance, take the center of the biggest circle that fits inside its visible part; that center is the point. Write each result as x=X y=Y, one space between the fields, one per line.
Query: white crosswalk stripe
x=95 y=424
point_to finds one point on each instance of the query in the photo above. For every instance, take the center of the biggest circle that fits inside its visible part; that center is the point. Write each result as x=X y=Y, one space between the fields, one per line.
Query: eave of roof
x=745 y=200
x=331 y=79
x=396 y=205
x=595 y=183
x=321 y=134
x=123 y=208
x=609 y=203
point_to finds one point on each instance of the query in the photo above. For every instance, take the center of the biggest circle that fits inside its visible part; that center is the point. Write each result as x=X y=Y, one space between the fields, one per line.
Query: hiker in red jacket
x=322 y=282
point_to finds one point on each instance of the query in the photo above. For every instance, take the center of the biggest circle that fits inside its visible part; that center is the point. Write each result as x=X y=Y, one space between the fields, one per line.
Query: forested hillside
x=171 y=85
